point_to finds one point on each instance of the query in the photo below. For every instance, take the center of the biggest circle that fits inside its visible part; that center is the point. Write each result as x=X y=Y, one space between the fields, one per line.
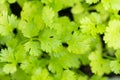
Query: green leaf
x=20 y=54
x=57 y=5
x=20 y=75
x=47 y=1
x=115 y=66
x=7 y=55
x=115 y=4
x=112 y=34
x=99 y=65
x=84 y=59
x=64 y=28
x=4 y=77
x=31 y=9
x=41 y=74
x=117 y=54
x=49 y=41
x=69 y=61
x=9 y=68
x=7 y=23
x=92 y=24
x=33 y=48
x=92 y=1
x=29 y=29
x=96 y=77
x=11 y=1
x=4 y=28
x=111 y=4
x=65 y=61
x=69 y=3
x=30 y=63
x=88 y=26
x=48 y=15
x=82 y=77
x=21 y=2
x=26 y=66
x=11 y=41
x=2 y=1
x=79 y=43
x=78 y=8
x=68 y=75
x=54 y=66
x=4 y=6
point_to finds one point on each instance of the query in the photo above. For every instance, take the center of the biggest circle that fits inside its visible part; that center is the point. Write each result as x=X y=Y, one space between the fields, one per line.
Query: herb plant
x=59 y=39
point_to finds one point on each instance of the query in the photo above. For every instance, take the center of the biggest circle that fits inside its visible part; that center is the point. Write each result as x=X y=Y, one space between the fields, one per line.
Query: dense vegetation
x=59 y=39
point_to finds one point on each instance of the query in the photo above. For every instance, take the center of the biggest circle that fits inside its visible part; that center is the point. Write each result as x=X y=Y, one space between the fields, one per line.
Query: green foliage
x=99 y=65
x=111 y=5
x=92 y=1
x=112 y=33
x=44 y=43
x=68 y=75
x=33 y=48
x=7 y=23
x=78 y=42
x=9 y=68
x=96 y=77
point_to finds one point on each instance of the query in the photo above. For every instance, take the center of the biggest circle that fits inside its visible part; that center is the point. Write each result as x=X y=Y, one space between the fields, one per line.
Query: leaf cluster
x=40 y=44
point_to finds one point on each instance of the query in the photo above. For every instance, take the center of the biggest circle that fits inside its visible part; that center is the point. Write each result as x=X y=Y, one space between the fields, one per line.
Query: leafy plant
x=41 y=41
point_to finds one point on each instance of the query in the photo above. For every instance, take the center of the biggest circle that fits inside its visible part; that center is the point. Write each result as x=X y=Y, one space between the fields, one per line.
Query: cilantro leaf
x=33 y=48
x=115 y=66
x=99 y=65
x=7 y=23
x=92 y=1
x=48 y=15
x=112 y=34
x=7 y=55
x=11 y=1
x=9 y=68
x=41 y=75
x=112 y=4
x=49 y=44
x=68 y=75
x=78 y=42
x=96 y=77
x=20 y=75
x=29 y=29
